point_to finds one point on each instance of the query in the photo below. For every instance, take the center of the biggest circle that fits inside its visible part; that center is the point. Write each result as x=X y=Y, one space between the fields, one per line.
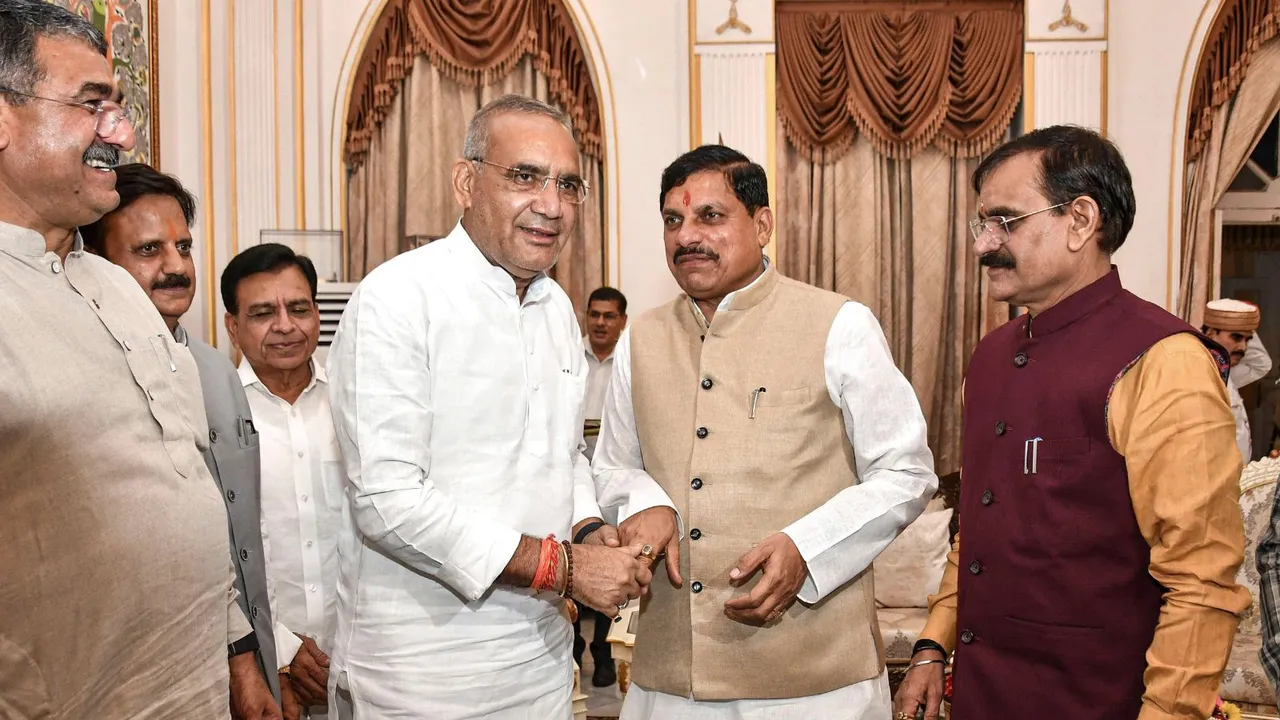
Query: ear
x=5 y=110
x=233 y=329
x=463 y=180
x=1086 y=222
x=764 y=226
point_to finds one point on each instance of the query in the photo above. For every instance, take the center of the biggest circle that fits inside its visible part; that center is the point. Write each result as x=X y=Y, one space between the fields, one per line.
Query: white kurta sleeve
x=621 y=480
x=886 y=428
x=1254 y=366
x=287 y=643
x=380 y=392
x=584 y=487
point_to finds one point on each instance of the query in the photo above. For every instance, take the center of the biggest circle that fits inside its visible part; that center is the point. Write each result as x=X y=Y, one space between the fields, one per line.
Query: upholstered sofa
x=1244 y=683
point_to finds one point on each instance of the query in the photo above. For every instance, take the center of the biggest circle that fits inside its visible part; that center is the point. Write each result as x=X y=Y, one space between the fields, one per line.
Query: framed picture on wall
x=324 y=247
x=131 y=29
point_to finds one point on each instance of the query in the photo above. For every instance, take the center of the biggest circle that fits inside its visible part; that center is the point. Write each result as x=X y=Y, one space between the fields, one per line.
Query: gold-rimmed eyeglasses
x=572 y=190
x=998 y=225
x=108 y=114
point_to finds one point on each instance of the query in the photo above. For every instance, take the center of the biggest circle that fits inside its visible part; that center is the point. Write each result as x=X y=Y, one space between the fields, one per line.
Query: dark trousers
x=601 y=653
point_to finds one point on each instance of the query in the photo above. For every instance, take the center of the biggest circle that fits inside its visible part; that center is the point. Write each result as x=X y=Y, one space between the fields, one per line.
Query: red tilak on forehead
x=686 y=198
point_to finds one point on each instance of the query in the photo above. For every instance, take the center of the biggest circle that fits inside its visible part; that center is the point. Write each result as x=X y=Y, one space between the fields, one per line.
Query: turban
x=1232 y=315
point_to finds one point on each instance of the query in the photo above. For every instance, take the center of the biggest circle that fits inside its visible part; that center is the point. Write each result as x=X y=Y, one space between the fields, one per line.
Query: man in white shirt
x=269 y=293
x=767 y=419
x=606 y=318
x=457 y=379
x=1233 y=324
x=149 y=235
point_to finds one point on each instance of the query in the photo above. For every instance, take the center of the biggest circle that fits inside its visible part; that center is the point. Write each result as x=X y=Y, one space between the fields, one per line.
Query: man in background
x=606 y=317
x=149 y=235
x=118 y=599
x=269 y=293
x=1233 y=324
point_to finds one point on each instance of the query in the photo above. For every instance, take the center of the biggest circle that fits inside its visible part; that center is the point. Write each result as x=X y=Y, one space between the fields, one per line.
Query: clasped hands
x=777 y=556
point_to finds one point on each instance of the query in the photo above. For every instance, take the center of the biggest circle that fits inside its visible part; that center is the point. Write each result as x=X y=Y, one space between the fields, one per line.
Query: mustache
x=694 y=250
x=103 y=152
x=997 y=259
x=170 y=281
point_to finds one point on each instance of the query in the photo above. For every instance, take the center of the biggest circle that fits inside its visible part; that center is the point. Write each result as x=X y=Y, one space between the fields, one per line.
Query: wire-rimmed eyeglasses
x=108 y=114
x=998 y=225
x=572 y=190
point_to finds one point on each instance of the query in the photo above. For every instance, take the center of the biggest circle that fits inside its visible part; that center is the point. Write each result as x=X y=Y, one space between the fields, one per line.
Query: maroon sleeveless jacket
x=1056 y=604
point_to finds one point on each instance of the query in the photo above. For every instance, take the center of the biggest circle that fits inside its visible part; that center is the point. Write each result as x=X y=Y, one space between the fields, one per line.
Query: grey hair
x=22 y=22
x=476 y=146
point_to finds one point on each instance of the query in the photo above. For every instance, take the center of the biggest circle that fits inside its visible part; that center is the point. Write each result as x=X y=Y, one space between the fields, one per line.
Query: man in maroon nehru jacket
x=1099 y=500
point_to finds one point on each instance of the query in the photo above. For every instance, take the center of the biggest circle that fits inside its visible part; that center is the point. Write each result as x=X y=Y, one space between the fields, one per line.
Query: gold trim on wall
x=206 y=78
x=1180 y=141
x=1103 y=119
x=231 y=126
x=153 y=57
x=1028 y=92
x=275 y=99
x=695 y=80
x=611 y=167
x=771 y=142
x=300 y=145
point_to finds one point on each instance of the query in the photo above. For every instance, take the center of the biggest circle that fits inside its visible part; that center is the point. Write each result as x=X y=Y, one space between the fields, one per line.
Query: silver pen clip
x=1031 y=455
x=755 y=398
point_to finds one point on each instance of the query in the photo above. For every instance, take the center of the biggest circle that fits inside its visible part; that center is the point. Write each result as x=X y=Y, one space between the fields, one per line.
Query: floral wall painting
x=130 y=27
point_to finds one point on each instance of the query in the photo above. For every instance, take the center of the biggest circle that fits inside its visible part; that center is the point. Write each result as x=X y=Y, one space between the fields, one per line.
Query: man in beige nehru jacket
x=757 y=432
x=1233 y=324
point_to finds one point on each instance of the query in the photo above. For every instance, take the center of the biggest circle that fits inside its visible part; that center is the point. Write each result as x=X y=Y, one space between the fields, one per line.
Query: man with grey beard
x=118 y=599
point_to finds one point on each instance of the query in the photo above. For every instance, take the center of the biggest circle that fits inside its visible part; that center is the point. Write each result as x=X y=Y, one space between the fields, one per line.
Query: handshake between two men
x=614 y=566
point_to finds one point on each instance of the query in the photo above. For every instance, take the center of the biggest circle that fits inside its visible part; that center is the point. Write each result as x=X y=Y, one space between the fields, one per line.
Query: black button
x=966 y=637
x=702 y=432
x=694 y=534
x=696 y=483
x=706 y=383
x=987 y=497
x=1020 y=360
x=213 y=436
x=696 y=587
x=231 y=496
x=1001 y=427
x=244 y=555
x=975 y=567
x=254 y=612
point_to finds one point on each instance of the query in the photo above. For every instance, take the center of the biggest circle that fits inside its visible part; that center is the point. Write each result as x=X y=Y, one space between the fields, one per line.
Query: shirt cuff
x=287 y=645
x=472 y=571
x=646 y=493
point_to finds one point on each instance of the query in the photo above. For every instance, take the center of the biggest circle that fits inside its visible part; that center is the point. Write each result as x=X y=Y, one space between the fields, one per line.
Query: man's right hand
x=922 y=687
x=657 y=527
x=288 y=700
x=309 y=672
x=605 y=577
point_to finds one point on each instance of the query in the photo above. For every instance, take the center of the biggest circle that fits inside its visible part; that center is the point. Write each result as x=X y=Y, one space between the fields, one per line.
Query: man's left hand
x=250 y=697
x=606 y=534
x=784 y=574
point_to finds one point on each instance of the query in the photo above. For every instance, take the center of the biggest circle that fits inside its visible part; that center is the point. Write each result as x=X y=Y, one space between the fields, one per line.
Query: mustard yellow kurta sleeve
x=1170 y=419
x=941 y=626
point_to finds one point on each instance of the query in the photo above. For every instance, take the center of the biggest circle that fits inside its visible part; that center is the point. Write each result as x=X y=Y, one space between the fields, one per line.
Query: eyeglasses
x=108 y=114
x=999 y=225
x=572 y=190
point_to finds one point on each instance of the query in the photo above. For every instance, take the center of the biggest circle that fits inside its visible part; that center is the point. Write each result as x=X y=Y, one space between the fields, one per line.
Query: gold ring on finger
x=647 y=553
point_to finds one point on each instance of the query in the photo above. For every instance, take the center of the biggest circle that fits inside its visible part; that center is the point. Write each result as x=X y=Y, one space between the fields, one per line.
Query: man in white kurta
x=456 y=381
x=717 y=219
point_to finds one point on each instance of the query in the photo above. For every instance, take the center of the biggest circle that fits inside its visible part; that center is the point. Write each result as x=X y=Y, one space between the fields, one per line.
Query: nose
x=281 y=322
x=121 y=136
x=987 y=242
x=547 y=202
x=171 y=261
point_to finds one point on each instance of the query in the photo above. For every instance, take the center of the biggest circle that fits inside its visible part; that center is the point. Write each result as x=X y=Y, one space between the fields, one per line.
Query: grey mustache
x=997 y=260
x=103 y=152
x=693 y=250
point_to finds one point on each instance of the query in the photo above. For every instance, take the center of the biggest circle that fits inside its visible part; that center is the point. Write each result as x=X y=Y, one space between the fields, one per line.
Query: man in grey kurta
x=118 y=597
x=149 y=235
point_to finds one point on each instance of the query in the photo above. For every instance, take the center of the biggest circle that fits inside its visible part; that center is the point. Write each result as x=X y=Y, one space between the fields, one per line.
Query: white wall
x=1153 y=50
x=247 y=174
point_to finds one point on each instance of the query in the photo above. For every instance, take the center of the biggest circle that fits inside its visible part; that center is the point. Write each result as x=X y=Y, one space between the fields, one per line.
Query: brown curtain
x=886 y=110
x=893 y=235
x=948 y=76
x=403 y=186
x=1236 y=127
x=475 y=44
x=1239 y=29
